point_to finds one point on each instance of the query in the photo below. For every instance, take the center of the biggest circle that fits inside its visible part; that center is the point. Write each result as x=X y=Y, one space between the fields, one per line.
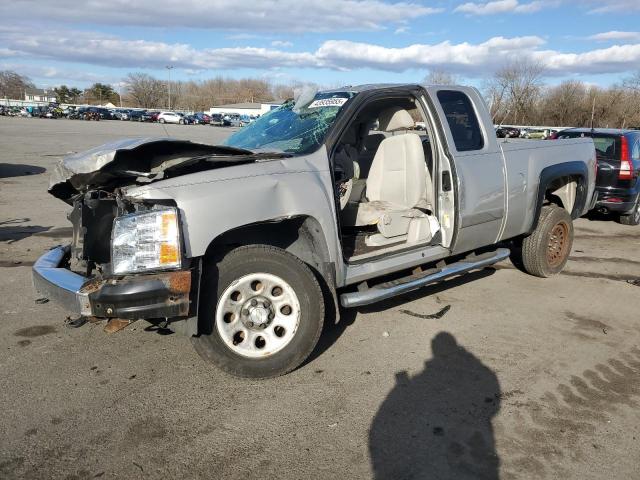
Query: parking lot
x=539 y=378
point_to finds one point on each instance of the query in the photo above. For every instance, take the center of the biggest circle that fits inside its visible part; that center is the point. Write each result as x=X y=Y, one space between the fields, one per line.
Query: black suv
x=618 y=182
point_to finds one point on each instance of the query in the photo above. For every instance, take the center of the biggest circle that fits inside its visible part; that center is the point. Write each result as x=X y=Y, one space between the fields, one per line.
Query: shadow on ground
x=14 y=230
x=8 y=170
x=437 y=424
x=334 y=326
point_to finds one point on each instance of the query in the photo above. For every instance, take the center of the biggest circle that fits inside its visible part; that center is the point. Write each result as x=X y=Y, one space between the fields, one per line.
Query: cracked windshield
x=297 y=127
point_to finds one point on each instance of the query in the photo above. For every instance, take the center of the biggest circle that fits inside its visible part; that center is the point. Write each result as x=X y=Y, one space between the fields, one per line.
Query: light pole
x=120 y=92
x=169 y=68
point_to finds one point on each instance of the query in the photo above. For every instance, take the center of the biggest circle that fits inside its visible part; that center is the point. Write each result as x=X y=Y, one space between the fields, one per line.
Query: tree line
x=516 y=93
x=518 y=96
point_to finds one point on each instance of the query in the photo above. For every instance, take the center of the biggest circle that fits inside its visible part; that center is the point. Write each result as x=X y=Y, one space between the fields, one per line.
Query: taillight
x=626 y=165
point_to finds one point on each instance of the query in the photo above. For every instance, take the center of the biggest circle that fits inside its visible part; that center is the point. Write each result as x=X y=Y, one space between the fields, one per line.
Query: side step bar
x=413 y=282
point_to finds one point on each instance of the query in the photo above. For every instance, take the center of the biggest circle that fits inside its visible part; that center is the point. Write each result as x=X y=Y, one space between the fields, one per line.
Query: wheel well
x=562 y=192
x=301 y=236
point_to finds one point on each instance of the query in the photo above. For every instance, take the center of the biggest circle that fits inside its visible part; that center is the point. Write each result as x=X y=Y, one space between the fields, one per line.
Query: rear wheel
x=632 y=218
x=262 y=312
x=545 y=252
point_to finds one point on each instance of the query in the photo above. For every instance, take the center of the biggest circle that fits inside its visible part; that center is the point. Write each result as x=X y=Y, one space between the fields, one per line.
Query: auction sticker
x=328 y=102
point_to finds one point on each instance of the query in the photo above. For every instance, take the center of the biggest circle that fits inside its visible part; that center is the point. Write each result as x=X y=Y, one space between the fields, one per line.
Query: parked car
x=507 y=132
x=203 y=118
x=170 y=117
x=122 y=114
x=149 y=116
x=191 y=120
x=231 y=120
x=101 y=112
x=617 y=183
x=136 y=115
x=245 y=246
x=216 y=119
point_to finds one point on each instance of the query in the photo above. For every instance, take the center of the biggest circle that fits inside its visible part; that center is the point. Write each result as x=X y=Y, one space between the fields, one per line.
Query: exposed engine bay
x=142 y=160
x=92 y=183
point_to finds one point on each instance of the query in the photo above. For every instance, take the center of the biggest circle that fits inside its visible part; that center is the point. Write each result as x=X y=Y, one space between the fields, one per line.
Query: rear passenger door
x=479 y=166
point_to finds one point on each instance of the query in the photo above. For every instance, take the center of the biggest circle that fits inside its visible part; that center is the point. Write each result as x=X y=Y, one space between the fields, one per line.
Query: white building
x=246 y=108
x=39 y=95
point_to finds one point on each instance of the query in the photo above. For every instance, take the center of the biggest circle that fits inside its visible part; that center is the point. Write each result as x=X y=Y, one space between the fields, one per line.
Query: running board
x=413 y=282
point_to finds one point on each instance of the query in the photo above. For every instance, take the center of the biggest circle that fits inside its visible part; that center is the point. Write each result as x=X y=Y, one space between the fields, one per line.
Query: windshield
x=292 y=128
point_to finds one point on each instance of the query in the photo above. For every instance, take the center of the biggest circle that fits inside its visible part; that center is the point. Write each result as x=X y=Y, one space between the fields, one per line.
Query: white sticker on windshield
x=328 y=102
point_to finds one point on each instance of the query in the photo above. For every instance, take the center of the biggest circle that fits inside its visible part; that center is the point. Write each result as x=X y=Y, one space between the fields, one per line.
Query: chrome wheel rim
x=258 y=315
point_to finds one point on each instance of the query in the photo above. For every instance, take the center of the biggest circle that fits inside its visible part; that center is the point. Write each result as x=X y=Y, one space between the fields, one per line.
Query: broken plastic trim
x=141 y=160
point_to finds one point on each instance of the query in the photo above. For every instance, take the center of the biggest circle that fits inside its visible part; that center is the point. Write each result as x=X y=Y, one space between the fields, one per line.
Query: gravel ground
x=520 y=378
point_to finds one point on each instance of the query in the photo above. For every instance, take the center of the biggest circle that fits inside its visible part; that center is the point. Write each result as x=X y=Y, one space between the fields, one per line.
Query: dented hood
x=138 y=160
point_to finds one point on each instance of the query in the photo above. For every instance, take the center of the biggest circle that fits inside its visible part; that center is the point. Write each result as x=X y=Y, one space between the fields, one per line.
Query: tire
x=228 y=337
x=181 y=122
x=545 y=252
x=632 y=218
x=161 y=120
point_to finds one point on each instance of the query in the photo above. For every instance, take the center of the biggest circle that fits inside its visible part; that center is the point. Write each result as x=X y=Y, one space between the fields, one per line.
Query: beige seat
x=398 y=185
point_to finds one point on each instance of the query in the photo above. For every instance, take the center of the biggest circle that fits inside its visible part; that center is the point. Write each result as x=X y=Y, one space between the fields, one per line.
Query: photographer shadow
x=438 y=423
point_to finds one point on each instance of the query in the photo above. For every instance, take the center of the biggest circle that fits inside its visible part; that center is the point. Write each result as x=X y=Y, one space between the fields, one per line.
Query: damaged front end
x=139 y=161
x=146 y=278
x=126 y=258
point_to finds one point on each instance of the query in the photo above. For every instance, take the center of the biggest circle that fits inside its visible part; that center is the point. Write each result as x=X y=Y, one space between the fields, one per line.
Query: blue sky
x=330 y=42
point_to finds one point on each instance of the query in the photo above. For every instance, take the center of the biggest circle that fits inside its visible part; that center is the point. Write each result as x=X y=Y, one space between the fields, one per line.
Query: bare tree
x=440 y=77
x=13 y=85
x=564 y=104
x=515 y=89
x=145 y=90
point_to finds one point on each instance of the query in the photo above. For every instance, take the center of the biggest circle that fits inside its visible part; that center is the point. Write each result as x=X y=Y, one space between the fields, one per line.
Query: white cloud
x=616 y=35
x=281 y=44
x=65 y=74
x=614 y=6
x=615 y=59
x=469 y=59
x=500 y=6
x=257 y=15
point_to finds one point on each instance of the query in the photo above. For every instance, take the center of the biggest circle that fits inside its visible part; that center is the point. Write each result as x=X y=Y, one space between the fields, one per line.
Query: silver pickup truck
x=335 y=197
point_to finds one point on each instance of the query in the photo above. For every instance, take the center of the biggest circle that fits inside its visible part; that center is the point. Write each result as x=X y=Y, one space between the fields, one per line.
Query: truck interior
x=384 y=170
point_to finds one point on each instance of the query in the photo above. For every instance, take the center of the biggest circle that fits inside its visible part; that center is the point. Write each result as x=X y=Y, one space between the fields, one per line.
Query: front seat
x=397 y=184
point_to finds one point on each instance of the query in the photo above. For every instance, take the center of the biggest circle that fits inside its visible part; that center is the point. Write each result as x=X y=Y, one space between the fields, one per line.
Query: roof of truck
x=368 y=86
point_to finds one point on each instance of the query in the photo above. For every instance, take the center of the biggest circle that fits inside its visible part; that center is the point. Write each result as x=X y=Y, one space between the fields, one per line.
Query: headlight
x=145 y=241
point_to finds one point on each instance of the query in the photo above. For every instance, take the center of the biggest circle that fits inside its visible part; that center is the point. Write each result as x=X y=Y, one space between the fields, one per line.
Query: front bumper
x=142 y=296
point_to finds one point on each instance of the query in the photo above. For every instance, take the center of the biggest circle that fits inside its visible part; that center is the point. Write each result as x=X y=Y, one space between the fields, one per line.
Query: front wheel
x=262 y=312
x=161 y=120
x=545 y=252
x=632 y=218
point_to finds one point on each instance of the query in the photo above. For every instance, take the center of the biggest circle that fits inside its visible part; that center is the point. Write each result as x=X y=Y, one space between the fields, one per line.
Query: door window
x=462 y=120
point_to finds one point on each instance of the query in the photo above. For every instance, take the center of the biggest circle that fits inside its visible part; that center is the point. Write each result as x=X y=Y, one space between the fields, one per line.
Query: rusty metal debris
x=434 y=316
x=116 y=324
